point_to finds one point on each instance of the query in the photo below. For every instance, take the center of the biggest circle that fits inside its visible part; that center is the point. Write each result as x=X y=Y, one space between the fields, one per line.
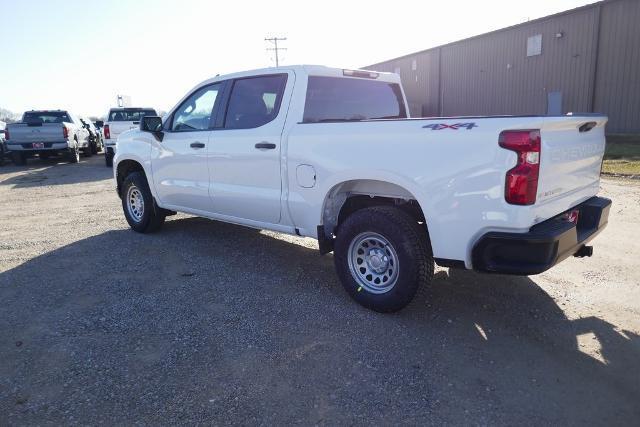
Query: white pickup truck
x=121 y=119
x=331 y=154
x=48 y=133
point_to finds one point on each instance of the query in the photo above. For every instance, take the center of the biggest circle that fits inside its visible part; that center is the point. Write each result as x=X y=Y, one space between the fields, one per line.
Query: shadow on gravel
x=209 y=322
x=55 y=171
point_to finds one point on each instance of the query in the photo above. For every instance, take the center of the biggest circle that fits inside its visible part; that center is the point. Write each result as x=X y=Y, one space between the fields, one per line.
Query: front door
x=180 y=169
x=244 y=154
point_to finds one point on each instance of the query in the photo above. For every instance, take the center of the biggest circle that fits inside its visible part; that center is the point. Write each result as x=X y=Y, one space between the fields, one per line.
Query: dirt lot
x=212 y=323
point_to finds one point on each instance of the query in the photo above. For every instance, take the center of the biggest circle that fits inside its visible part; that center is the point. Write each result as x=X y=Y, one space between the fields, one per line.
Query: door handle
x=266 y=145
x=196 y=145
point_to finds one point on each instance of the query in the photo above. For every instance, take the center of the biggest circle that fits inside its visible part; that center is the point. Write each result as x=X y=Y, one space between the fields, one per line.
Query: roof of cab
x=303 y=70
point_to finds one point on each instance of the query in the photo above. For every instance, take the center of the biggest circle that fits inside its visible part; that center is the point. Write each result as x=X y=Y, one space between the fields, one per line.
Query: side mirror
x=152 y=124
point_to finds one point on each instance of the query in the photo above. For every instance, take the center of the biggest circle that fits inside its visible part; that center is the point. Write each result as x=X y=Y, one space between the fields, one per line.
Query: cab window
x=195 y=113
x=254 y=101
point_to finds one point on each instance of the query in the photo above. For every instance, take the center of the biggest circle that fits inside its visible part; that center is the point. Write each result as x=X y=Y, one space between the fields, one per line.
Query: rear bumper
x=544 y=245
x=110 y=146
x=28 y=147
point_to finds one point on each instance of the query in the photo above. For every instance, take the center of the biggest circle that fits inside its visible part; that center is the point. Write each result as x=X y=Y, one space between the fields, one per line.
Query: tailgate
x=116 y=128
x=48 y=132
x=570 y=162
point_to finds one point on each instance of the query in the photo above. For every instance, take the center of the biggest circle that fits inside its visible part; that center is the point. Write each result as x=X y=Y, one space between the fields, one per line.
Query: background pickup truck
x=121 y=120
x=47 y=133
x=331 y=154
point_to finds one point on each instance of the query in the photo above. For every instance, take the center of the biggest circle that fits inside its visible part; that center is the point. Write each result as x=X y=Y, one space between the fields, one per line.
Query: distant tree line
x=8 y=116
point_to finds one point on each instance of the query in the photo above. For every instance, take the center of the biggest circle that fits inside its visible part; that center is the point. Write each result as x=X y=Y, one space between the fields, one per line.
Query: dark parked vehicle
x=3 y=147
x=95 y=136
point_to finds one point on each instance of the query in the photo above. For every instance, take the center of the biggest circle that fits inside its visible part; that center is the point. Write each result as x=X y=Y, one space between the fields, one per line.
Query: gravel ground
x=206 y=322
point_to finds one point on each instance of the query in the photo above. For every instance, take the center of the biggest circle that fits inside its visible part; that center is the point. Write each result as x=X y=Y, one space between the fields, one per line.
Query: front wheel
x=382 y=256
x=140 y=210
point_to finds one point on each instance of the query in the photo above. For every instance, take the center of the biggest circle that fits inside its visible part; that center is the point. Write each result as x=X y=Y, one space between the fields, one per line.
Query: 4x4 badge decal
x=440 y=126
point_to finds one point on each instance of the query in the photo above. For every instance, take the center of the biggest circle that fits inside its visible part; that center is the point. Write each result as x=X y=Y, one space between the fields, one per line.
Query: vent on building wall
x=534 y=45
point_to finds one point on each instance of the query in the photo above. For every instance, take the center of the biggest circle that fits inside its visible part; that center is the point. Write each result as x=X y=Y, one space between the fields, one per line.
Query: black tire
x=18 y=159
x=410 y=244
x=151 y=216
x=87 y=151
x=94 y=148
x=108 y=159
x=73 y=154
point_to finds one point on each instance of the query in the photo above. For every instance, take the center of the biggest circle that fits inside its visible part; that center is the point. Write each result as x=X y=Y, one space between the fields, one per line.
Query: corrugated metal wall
x=618 y=73
x=591 y=55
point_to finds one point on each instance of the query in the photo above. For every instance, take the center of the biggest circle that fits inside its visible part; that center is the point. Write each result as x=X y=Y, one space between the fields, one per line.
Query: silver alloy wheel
x=135 y=203
x=373 y=262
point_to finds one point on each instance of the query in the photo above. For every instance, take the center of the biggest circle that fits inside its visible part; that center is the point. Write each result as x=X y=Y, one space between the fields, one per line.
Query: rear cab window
x=46 y=117
x=130 y=114
x=338 y=99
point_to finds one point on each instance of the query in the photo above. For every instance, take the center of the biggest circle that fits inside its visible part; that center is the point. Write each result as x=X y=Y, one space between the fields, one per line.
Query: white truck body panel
x=455 y=173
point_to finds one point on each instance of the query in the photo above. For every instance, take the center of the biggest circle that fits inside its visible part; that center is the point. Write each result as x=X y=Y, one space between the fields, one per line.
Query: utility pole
x=275 y=47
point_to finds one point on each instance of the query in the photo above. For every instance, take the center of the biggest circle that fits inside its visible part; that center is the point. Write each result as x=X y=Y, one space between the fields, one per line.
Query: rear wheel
x=74 y=154
x=108 y=159
x=382 y=256
x=140 y=209
x=18 y=159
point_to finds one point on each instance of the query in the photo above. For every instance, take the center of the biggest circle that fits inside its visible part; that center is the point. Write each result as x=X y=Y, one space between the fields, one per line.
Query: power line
x=275 y=47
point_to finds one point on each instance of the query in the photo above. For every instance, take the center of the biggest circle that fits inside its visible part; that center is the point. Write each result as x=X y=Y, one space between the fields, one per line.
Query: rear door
x=244 y=155
x=180 y=167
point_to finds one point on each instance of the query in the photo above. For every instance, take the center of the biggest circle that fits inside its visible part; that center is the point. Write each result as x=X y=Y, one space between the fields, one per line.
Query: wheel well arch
x=349 y=196
x=124 y=168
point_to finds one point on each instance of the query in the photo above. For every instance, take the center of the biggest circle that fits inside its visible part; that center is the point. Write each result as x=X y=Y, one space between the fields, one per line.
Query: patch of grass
x=622 y=150
x=622 y=155
x=621 y=167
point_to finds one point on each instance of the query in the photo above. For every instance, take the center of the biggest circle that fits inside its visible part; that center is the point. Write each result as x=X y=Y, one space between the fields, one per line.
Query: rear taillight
x=107 y=132
x=6 y=134
x=521 y=184
x=65 y=132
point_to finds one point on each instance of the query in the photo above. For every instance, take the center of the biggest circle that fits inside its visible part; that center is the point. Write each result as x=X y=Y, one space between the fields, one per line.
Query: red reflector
x=521 y=184
x=107 y=133
x=572 y=216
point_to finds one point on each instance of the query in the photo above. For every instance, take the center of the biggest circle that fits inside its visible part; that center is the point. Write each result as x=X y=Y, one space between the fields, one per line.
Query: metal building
x=582 y=60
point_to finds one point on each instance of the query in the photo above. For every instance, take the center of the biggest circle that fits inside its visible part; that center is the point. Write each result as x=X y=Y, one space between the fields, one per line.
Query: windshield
x=130 y=114
x=46 y=116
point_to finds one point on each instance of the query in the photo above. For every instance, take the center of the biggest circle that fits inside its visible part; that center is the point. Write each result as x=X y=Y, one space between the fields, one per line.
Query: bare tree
x=8 y=116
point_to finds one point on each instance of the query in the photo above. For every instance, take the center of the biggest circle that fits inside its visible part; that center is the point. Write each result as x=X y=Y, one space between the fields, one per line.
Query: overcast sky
x=80 y=55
